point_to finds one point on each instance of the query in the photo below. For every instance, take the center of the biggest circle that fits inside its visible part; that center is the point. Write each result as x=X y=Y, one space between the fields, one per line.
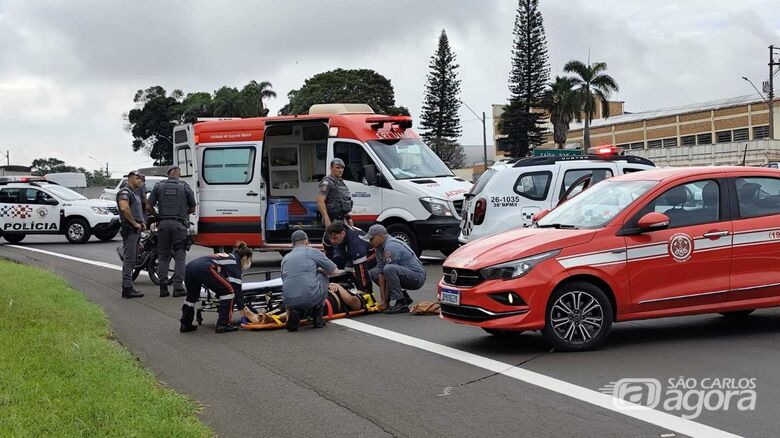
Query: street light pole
x=7 y=157
x=101 y=165
x=484 y=132
x=771 y=92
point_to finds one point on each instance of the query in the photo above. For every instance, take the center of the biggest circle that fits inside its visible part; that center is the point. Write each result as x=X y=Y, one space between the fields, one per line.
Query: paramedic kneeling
x=397 y=269
x=305 y=281
x=343 y=245
x=221 y=274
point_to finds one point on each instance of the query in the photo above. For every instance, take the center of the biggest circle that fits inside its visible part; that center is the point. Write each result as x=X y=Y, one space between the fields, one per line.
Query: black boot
x=407 y=300
x=224 y=325
x=164 y=290
x=179 y=291
x=316 y=317
x=187 y=314
x=129 y=292
x=293 y=318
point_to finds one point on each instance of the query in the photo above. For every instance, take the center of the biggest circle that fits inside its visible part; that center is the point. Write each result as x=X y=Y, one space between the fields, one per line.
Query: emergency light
x=403 y=122
x=606 y=150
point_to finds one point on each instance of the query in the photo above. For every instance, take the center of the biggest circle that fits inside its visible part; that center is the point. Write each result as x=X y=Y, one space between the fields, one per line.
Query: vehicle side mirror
x=50 y=201
x=369 y=175
x=539 y=215
x=653 y=221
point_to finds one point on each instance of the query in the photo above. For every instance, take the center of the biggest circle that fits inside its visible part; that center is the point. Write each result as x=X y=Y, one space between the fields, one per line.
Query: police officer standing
x=175 y=201
x=132 y=221
x=334 y=199
x=397 y=269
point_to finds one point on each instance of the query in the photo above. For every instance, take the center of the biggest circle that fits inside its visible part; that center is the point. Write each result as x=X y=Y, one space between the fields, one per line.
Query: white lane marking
x=76 y=259
x=643 y=413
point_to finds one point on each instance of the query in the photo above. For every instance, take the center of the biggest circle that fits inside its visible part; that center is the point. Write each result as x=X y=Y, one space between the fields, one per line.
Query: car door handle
x=712 y=234
x=251 y=194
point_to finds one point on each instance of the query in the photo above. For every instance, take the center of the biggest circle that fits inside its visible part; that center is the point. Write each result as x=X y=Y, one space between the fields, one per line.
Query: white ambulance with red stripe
x=257 y=179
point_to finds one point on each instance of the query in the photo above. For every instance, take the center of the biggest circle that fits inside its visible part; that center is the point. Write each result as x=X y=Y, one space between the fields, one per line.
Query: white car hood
x=91 y=203
x=448 y=188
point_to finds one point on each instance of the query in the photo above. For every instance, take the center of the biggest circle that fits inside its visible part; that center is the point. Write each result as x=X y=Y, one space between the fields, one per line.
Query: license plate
x=450 y=296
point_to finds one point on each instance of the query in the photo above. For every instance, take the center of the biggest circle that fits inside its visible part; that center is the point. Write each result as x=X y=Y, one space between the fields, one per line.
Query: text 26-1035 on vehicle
x=657 y=243
x=257 y=179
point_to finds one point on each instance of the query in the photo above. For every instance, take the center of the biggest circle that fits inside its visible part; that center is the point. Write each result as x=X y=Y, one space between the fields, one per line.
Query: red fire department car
x=651 y=244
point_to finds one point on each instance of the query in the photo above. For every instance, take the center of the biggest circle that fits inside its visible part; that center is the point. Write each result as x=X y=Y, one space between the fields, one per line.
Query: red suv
x=650 y=244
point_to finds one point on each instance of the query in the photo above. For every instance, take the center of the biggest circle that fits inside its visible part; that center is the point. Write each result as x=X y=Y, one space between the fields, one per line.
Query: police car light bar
x=606 y=150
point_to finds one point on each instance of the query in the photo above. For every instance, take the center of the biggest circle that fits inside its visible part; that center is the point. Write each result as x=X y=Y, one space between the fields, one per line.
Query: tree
x=561 y=104
x=253 y=94
x=591 y=83
x=440 y=121
x=527 y=81
x=43 y=166
x=151 y=122
x=98 y=177
x=344 y=86
x=449 y=151
x=195 y=105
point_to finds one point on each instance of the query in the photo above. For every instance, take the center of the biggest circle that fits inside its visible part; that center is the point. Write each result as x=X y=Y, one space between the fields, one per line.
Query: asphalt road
x=346 y=381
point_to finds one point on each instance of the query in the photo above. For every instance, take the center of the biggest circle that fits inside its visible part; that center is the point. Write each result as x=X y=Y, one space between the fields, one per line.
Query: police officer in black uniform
x=175 y=201
x=334 y=199
x=132 y=220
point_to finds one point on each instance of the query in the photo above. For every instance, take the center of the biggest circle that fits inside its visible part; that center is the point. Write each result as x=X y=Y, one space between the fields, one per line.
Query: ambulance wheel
x=77 y=231
x=14 y=238
x=405 y=235
x=579 y=317
x=105 y=237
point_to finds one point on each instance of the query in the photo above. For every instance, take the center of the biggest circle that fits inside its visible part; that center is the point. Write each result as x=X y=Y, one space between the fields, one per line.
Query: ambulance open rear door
x=185 y=156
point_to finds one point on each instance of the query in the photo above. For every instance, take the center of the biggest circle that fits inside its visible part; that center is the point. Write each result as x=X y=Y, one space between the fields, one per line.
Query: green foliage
x=440 y=120
x=527 y=80
x=562 y=104
x=62 y=374
x=591 y=83
x=156 y=112
x=345 y=86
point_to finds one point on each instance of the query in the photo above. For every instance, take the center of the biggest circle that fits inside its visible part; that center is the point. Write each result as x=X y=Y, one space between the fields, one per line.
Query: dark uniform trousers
x=221 y=274
x=172 y=240
x=130 y=240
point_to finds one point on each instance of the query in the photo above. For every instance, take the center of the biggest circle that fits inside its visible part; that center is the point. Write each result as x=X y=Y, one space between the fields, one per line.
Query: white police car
x=511 y=192
x=34 y=206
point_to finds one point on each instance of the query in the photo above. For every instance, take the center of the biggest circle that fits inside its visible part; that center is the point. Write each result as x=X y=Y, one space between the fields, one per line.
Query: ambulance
x=257 y=179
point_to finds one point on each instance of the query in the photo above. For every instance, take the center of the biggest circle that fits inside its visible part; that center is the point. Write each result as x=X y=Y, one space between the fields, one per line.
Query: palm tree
x=591 y=83
x=260 y=91
x=560 y=101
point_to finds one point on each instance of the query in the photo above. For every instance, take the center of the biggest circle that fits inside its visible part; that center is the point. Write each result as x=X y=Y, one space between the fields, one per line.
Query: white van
x=511 y=192
x=257 y=179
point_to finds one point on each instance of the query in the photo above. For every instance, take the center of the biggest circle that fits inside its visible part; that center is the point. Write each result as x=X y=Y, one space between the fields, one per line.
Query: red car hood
x=515 y=244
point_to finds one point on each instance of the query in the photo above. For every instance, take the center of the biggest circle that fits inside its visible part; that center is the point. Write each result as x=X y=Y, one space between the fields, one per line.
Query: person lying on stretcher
x=338 y=300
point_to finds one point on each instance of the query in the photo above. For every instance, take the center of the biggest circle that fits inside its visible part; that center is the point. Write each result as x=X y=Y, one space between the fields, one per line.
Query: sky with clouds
x=69 y=70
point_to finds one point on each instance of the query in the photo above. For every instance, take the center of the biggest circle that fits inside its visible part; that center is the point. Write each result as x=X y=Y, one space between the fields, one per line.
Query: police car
x=34 y=206
x=511 y=192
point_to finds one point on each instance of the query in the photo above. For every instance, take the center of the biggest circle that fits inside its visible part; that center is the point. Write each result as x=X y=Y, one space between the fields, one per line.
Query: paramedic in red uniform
x=221 y=274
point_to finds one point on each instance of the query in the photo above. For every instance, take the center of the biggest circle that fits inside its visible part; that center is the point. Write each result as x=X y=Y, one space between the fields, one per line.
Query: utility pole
x=771 y=91
x=7 y=157
x=484 y=132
